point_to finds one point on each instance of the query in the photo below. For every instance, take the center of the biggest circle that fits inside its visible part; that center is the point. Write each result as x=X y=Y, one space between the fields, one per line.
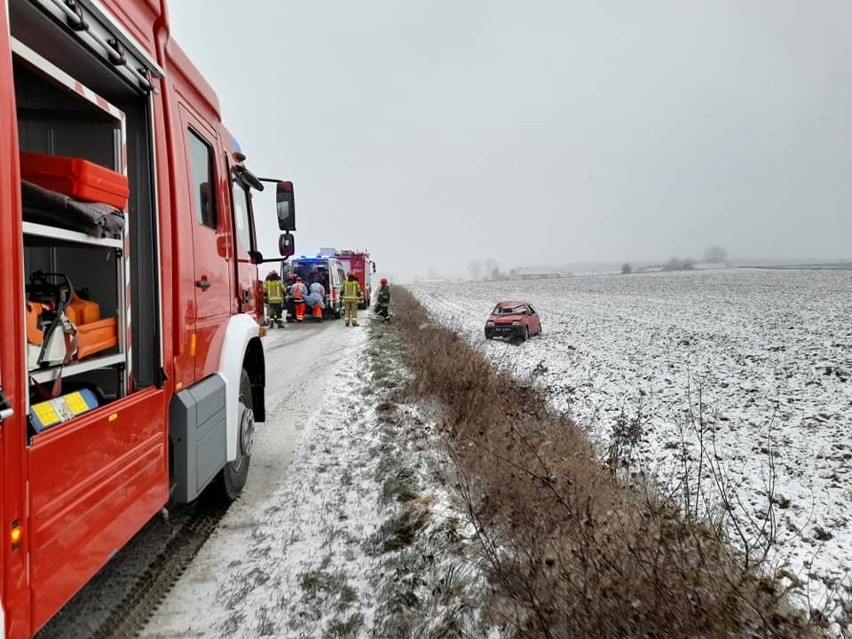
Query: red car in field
x=513 y=321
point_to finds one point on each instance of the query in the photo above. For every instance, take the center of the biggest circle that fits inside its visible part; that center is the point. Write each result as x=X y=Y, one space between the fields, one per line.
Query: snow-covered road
x=222 y=593
x=301 y=361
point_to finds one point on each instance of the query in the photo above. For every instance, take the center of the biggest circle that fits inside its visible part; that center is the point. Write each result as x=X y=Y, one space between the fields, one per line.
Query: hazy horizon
x=614 y=266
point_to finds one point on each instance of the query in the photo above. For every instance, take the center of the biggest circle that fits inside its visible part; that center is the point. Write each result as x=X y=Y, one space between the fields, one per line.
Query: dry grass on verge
x=572 y=552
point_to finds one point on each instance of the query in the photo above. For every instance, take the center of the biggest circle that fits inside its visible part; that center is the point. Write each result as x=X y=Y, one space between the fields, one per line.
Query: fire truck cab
x=360 y=263
x=126 y=220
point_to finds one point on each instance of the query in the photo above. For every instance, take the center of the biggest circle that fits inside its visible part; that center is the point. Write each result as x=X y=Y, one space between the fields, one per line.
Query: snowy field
x=768 y=352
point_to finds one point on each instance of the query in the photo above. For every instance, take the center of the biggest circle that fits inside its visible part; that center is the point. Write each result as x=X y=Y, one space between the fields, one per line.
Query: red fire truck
x=131 y=365
x=363 y=266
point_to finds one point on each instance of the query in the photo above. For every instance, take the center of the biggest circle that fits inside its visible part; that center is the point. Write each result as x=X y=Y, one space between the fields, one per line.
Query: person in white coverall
x=316 y=299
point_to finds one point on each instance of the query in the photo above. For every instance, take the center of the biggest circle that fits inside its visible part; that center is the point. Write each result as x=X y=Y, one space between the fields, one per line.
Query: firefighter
x=298 y=292
x=351 y=297
x=273 y=295
x=383 y=299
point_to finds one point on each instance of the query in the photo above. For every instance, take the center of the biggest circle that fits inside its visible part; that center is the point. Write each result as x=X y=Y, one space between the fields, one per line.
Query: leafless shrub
x=573 y=551
x=708 y=490
x=625 y=436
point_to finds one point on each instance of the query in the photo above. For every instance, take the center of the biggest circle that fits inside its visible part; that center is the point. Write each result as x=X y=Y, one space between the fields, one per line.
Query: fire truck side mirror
x=285 y=206
x=374 y=267
x=286 y=244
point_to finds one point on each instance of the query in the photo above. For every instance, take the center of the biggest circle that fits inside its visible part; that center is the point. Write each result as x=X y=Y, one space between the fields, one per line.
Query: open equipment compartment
x=59 y=116
x=72 y=101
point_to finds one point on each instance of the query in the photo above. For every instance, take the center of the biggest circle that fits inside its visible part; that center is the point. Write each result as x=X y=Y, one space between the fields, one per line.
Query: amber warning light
x=16 y=534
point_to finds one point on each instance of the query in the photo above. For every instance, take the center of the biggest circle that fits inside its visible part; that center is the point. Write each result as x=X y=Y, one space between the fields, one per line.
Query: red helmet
x=273 y=272
x=291 y=277
x=383 y=281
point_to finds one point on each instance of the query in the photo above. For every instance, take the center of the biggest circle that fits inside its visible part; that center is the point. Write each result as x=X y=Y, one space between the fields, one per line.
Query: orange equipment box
x=96 y=337
x=76 y=178
x=81 y=311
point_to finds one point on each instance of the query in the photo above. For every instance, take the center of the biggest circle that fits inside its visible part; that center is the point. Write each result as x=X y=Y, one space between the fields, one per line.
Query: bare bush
x=626 y=435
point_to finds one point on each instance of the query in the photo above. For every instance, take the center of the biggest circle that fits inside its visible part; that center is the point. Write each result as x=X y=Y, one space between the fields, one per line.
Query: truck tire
x=232 y=478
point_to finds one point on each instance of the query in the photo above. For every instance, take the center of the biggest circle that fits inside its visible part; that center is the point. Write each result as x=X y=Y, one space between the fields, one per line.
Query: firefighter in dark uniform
x=383 y=299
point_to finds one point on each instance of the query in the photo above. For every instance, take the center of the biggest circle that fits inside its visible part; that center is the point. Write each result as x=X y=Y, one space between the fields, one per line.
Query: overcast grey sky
x=438 y=132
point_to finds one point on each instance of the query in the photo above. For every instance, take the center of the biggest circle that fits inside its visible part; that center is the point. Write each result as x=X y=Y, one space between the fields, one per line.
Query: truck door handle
x=203 y=283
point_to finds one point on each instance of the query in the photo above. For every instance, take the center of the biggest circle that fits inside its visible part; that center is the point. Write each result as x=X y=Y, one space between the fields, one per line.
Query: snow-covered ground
x=769 y=353
x=346 y=527
x=343 y=529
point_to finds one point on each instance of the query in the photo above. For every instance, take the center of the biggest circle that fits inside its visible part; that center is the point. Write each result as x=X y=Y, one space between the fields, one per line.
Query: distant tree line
x=677 y=264
x=491 y=270
x=713 y=255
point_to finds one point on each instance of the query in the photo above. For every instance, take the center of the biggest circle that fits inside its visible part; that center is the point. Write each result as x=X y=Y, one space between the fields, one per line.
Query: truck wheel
x=232 y=478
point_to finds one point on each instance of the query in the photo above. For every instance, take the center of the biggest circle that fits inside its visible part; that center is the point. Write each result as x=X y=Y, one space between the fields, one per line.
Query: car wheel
x=526 y=333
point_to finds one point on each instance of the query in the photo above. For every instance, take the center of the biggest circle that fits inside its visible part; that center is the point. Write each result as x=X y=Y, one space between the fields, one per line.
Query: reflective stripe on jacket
x=351 y=291
x=274 y=291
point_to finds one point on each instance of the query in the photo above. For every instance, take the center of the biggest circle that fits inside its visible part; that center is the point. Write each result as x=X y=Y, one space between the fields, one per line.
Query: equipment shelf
x=54 y=234
x=90 y=364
